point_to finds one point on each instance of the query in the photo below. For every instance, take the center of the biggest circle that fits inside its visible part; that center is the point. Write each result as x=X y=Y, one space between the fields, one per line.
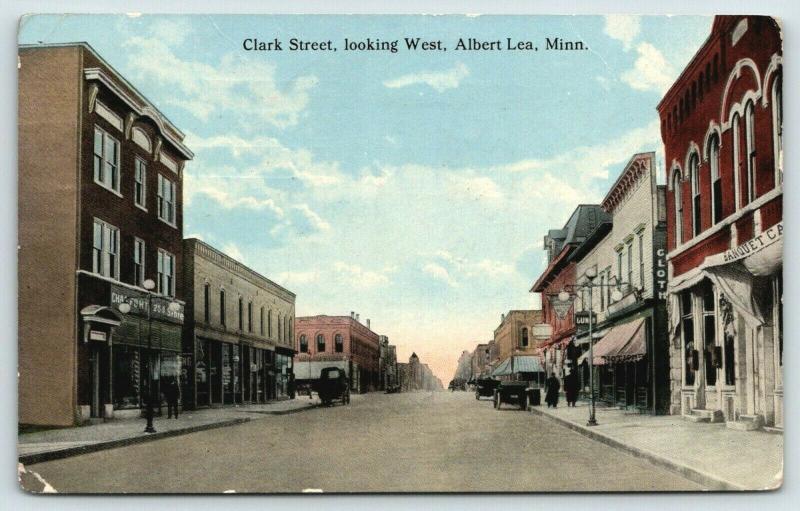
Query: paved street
x=432 y=441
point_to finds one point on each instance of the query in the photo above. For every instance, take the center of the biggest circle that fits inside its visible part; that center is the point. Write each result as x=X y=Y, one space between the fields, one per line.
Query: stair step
x=697 y=418
x=712 y=415
x=746 y=423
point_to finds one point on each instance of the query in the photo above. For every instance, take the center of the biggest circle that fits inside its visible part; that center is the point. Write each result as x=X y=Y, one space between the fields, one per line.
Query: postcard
x=400 y=254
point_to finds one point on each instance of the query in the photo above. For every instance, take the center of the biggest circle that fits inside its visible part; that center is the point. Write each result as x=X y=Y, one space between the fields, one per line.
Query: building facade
x=237 y=334
x=416 y=376
x=721 y=124
x=518 y=339
x=100 y=215
x=627 y=254
x=387 y=364
x=463 y=372
x=340 y=341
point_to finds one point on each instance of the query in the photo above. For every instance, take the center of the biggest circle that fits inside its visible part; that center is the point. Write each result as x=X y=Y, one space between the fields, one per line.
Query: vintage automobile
x=332 y=385
x=484 y=387
x=511 y=392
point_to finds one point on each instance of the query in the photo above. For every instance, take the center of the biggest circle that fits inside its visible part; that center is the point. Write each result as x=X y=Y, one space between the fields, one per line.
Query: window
x=166 y=273
x=106 y=160
x=269 y=323
x=140 y=183
x=222 y=307
x=602 y=292
x=641 y=261
x=619 y=268
x=676 y=187
x=289 y=328
x=777 y=127
x=749 y=128
x=694 y=176
x=206 y=300
x=524 y=338
x=280 y=333
x=105 y=250
x=320 y=343
x=138 y=261
x=608 y=287
x=303 y=344
x=249 y=316
x=777 y=306
x=338 y=342
x=630 y=263
x=166 y=200
x=709 y=333
x=716 y=181
x=261 y=322
x=241 y=314
x=737 y=162
x=687 y=332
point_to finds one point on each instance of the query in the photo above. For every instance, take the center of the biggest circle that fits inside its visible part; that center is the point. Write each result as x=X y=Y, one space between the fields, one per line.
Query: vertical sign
x=660 y=264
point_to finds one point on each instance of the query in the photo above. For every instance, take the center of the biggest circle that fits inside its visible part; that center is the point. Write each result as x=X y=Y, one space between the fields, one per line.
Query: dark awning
x=614 y=346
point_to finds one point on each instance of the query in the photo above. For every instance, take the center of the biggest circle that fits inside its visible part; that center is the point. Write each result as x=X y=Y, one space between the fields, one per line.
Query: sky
x=413 y=188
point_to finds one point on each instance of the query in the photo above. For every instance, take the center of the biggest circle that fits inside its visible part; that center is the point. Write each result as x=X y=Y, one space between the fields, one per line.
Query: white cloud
x=438 y=80
x=651 y=71
x=290 y=278
x=439 y=272
x=232 y=249
x=622 y=27
x=312 y=217
x=358 y=277
x=475 y=187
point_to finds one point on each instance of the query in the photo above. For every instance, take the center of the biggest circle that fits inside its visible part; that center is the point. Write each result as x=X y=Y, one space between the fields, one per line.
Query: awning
x=583 y=338
x=616 y=340
x=503 y=369
x=635 y=350
x=527 y=364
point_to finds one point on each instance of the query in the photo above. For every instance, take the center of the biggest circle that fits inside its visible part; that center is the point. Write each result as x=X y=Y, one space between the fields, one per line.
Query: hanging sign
x=561 y=308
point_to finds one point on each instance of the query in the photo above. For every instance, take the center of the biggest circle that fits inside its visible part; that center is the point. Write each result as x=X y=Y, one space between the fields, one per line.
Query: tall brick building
x=721 y=126
x=100 y=212
x=341 y=341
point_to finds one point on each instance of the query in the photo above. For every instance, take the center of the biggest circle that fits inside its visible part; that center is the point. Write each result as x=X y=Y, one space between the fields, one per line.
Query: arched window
x=750 y=145
x=716 y=181
x=694 y=175
x=777 y=127
x=303 y=344
x=338 y=342
x=737 y=162
x=320 y=343
x=676 y=187
x=523 y=342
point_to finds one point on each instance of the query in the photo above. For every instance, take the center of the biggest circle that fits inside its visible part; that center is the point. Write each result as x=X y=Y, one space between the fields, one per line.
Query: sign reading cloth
x=560 y=307
x=755 y=245
x=138 y=302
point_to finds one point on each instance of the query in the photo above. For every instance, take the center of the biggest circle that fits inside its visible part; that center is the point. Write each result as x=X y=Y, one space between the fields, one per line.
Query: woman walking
x=552 y=386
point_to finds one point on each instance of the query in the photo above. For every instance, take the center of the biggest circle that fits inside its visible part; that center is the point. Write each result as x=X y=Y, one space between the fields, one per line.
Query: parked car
x=511 y=392
x=484 y=387
x=332 y=385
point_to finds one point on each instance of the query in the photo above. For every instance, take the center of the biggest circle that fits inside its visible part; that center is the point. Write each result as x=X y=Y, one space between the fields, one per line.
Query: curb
x=39 y=457
x=286 y=412
x=708 y=481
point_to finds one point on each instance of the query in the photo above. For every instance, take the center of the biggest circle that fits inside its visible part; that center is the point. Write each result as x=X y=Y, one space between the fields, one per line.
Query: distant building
x=464 y=369
x=518 y=340
x=418 y=377
x=238 y=331
x=388 y=364
x=340 y=341
x=100 y=213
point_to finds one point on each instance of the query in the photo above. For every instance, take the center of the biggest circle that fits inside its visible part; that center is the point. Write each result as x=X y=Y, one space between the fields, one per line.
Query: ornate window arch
x=338 y=343
x=715 y=178
x=523 y=341
x=693 y=174
x=676 y=183
x=320 y=343
x=303 y=343
x=750 y=148
x=737 y=163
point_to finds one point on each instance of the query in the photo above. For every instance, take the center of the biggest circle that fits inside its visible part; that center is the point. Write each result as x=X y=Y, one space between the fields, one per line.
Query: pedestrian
x=552 y=386
x=571 y=388
x=171 y=394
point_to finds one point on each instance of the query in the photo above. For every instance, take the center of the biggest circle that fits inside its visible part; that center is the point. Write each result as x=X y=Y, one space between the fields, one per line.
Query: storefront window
x=709 y=333
x=127 y=376
x=201 y=376
x=687 y=332
x=227 y=372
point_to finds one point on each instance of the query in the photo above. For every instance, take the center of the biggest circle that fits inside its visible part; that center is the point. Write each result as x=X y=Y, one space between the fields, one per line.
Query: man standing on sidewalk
x=171 y=394
x=552 y=386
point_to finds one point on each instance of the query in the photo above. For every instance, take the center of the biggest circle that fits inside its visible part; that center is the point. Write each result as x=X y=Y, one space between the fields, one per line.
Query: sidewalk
x=710 y=454
x=62 y=443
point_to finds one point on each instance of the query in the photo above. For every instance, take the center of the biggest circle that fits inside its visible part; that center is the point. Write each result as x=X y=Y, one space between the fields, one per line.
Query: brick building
x=721 y=127
x=518 y=341
x=341 y=341
x=560 y=275
x=100 y=213
x=238 y=331
x=627 y=254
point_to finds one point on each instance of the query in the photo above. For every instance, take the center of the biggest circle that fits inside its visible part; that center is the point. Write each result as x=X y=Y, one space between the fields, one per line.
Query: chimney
x=358 y=317
x=502 y=317
x=367 y=322
x=352 y=315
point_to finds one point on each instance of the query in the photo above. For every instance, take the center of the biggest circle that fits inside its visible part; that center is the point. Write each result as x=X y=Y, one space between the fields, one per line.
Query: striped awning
x=503 y=369
x=528 y=364
x=623 y=343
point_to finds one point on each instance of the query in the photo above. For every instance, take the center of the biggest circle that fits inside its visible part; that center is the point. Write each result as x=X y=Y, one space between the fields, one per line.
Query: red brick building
x=721 y=127
x=559 y=276
x=341 y=341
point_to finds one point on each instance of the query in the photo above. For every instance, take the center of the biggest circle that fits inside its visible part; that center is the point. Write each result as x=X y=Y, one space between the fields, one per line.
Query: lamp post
x=125 y=308
x=564 y=295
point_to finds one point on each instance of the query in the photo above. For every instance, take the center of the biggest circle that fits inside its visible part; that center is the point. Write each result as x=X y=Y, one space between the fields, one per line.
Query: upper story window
x=261 y=322
x=777 y=127
x=338 y=342
x=166 y=273
x=303 y=344
x=241 y=314
x=630 y=263
x=694 y=176
x=280 y=332
x=138 y=261
x=619 y=268
x=222 y=307
x=750 y=146
x=269 y=323
x=249 y=316
x=106 y=160
x=716 y=180
x=641 y=260
x=105 y=250
x=206 y=302
x=737 y=159
x=523 y=341
x=166 y=200
x=320 y=343
x=602 y=292
x=140 y=183
x=676 y=187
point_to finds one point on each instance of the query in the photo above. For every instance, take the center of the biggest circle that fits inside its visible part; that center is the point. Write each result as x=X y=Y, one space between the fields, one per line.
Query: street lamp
x=125 y=308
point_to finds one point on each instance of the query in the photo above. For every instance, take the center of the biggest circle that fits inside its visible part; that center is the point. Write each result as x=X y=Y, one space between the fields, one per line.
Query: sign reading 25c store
x=138 y=303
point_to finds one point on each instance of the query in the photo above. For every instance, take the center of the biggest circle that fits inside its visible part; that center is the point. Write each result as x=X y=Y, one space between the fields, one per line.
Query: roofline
x=223 y=254
x=551 y=267
x=650 y=154
x=671 y=91
x=141 y=97
x=591 y=241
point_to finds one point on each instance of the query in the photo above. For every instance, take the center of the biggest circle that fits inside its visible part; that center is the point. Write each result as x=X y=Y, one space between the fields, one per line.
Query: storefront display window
x=709 y=333
x=687 y=333
x=127 y=376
